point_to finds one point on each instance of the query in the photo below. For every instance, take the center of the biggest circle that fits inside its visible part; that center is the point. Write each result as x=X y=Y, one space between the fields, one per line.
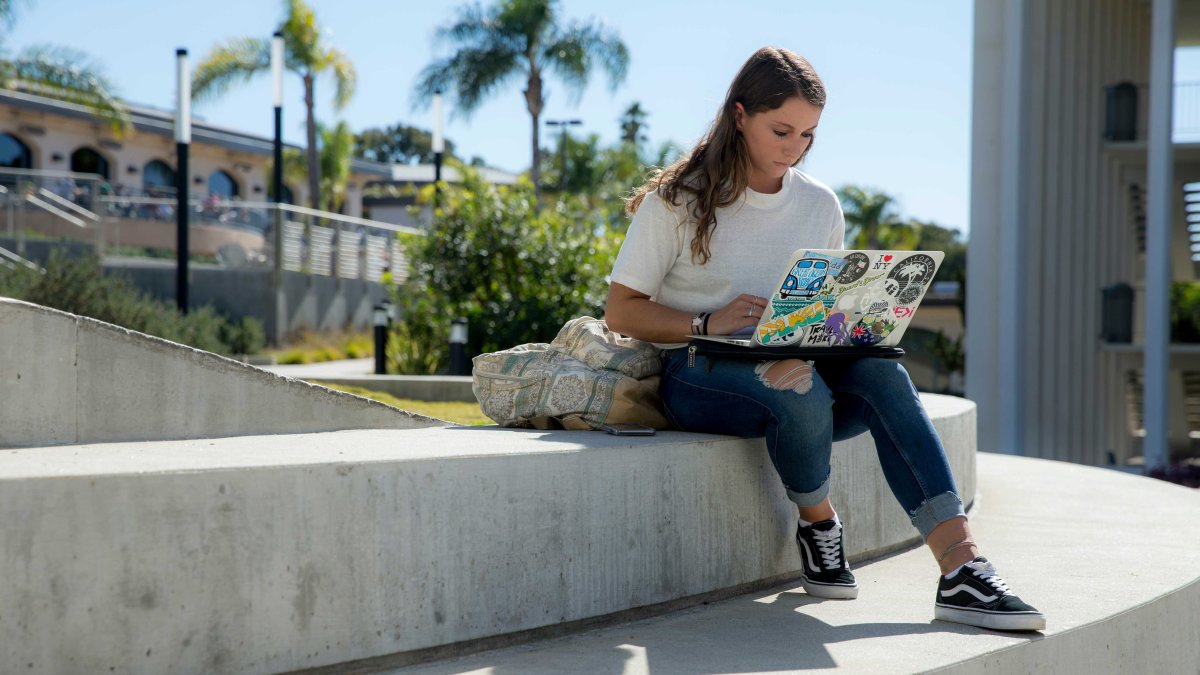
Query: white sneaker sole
x=992 y=620
x=829 y=591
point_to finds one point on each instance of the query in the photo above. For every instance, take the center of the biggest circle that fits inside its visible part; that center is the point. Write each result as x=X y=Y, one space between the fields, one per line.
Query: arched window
x=87 y=160
x=158 y=176
x=14 y=154
x=222 y=184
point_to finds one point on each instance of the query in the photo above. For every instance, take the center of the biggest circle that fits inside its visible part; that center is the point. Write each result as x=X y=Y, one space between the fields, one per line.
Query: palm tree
x=872 y=221
x=334 y=152
x=633 y=121
x=61 y=73
x=67 y=75
x=8 y=12
x=519 y=37
x=306 y=54
x=337 y=148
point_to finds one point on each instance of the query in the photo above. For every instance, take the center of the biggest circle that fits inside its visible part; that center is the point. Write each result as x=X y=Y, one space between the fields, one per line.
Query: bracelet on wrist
x=704 y=326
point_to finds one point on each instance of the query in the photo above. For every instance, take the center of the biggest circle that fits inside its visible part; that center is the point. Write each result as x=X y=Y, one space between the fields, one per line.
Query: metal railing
x=1185 y=112
x=56 y=204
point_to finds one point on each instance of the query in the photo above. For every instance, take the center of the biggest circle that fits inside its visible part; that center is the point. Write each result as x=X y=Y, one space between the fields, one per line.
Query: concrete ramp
x=70 y=379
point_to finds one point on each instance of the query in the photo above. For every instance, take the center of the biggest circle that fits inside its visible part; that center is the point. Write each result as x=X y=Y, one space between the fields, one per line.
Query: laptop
x=840 y=300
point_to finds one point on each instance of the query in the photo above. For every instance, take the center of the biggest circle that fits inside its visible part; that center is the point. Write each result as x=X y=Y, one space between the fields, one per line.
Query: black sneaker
x=826 y=574
x=977 y=596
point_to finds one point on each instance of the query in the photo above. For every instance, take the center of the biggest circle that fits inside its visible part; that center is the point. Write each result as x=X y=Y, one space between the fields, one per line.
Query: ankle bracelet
x=951 y=547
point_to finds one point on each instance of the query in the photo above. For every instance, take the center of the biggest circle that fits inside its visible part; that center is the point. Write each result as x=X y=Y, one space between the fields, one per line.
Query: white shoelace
x=829 y=544
x=987 y=572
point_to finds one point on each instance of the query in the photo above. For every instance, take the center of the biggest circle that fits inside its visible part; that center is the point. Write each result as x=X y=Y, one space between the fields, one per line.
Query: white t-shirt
x=751 y=243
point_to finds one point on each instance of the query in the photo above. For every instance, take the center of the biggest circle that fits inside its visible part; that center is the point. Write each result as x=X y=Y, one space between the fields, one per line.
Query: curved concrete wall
x=71 y=379
x=276 y=553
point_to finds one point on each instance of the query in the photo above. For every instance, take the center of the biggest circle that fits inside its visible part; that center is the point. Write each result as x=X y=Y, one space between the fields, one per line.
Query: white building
x=37 y=132
x=1058 y=213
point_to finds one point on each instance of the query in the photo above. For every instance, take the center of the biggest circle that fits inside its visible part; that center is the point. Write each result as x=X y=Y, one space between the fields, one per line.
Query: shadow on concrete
x=725 y=637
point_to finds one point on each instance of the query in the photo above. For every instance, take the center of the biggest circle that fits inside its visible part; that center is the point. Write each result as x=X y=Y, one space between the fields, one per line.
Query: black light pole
x=277 y=94
x=439 y=146
x=277 y=188
x=183 y=138
x=563 y=124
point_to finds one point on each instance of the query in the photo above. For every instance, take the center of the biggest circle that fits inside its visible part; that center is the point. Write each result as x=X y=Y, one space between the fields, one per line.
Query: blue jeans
x=848 y=397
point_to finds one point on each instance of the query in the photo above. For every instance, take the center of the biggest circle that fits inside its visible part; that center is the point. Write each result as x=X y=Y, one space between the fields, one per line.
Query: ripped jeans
x=846 y=398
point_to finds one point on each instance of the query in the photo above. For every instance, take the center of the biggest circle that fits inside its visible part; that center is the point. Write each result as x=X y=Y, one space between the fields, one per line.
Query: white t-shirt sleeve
x=652 y=245
x=837 y=233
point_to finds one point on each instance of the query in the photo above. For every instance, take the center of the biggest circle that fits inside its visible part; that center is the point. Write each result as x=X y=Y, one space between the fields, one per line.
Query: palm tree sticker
x=908 y=279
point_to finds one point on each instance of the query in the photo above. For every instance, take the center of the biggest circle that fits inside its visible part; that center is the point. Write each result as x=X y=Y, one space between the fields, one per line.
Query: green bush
x=516 y=275
x=1185 y=312
x=79 y=285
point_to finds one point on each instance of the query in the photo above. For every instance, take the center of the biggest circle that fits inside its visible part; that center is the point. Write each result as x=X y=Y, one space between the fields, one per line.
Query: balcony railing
x=233 y=233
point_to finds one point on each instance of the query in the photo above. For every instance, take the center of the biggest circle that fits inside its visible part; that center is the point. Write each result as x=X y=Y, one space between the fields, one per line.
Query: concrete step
x=1113 y=561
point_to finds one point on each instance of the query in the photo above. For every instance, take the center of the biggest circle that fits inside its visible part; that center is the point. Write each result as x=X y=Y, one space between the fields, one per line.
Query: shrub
x=1185 y=312
x=516 y=275
x=79 y=285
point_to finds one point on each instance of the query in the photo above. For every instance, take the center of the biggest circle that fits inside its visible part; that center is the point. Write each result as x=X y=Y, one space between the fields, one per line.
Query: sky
x=897 y=75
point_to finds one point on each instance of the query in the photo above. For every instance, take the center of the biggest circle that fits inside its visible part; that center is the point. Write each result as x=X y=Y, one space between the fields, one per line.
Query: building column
x=1160 y=159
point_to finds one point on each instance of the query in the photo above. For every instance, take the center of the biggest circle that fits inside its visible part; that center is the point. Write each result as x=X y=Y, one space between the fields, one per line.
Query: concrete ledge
x=71 y=379
x=1109 y=558
x=274 y=553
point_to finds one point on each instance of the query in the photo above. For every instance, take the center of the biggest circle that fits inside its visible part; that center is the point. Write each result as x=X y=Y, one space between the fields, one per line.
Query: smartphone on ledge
x=626 y=429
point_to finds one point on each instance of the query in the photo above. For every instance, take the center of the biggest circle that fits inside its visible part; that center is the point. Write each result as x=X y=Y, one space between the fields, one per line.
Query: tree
x=872 y=221
x=62 y=73
x=306 y=54
x=517 y=275
x=525 y=38
x=337 y=148
x=8 y=12
x=399 y=144
x=633 y=120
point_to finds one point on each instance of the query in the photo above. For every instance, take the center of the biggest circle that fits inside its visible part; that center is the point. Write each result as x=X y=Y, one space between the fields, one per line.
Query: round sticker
x=856 y=266
x=909 y=278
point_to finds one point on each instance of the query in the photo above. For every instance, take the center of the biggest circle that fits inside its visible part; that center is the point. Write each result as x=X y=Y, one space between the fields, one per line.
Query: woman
x=708 y=235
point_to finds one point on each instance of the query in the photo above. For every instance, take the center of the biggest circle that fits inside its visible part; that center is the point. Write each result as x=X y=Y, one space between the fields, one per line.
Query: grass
x=318 y=346
x=459 y=412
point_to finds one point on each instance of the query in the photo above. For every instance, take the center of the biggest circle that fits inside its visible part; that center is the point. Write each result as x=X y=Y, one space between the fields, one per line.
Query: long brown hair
x=715 y=173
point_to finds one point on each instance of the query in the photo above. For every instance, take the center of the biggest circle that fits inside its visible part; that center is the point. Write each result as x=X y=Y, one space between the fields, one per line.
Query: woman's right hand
x=744 y=311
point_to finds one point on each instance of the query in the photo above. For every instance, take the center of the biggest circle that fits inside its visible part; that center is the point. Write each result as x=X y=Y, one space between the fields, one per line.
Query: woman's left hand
x=744 y=311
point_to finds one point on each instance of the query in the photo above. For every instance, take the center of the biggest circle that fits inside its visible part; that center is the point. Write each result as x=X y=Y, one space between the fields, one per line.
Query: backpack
x=587 y=376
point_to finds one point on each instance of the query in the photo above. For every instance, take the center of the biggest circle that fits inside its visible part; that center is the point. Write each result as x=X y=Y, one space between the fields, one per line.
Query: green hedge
x=78 y=284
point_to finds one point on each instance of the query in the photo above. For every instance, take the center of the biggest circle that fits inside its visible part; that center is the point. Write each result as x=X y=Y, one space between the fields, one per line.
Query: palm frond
x=301 y=37
x=472 y=75
x=337 y=148
x=344 y=75
x=472 y=26
x=524 y=24
x=575 y=51
x=68 y=75
x=236 y=61
x=8 y=12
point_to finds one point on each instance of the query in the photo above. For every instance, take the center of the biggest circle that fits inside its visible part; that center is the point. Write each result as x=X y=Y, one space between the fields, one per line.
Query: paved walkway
x=1085 y=545
x=326 y=369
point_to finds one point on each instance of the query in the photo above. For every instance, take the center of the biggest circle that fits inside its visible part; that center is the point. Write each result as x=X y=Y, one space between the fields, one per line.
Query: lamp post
x=183 y=138
x=563 y=124
x=277 y=187
x=459 y=363
x=439 y=146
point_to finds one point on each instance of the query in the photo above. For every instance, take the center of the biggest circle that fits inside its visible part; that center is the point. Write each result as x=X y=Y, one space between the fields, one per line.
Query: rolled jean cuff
x=935 y=511
x=810 y=498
